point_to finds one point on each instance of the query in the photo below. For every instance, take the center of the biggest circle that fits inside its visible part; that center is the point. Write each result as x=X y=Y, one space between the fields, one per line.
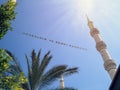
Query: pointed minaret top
x=88 y=18
x=90 y=23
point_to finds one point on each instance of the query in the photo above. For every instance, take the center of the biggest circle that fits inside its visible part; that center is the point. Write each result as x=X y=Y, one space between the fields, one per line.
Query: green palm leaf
x=51 y=75
x=39 y=78
x=70 y=71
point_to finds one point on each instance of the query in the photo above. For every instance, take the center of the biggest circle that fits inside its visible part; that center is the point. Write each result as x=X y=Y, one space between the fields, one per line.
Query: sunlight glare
x=85 y=5
x=79 y=9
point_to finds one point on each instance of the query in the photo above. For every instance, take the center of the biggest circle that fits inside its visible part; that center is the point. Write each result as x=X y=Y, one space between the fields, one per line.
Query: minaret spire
x=88 y=19
x=90 y=23
x=109 y=64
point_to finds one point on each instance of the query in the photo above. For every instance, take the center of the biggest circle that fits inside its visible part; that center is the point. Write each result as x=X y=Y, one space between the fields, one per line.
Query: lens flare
x=85 y=6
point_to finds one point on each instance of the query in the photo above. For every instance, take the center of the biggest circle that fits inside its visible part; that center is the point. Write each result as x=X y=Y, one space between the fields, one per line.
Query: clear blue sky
x=64 y=20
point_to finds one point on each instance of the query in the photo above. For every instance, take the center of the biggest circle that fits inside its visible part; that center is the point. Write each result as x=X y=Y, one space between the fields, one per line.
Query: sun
x=79 y=9
x=83 y=6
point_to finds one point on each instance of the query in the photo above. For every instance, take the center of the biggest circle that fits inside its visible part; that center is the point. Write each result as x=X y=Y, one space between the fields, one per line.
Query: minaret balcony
x=109 y=64
x=94 y=31
x=100 y=45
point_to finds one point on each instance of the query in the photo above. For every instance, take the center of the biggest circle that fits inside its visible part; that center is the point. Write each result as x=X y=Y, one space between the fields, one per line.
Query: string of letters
x=53 y=41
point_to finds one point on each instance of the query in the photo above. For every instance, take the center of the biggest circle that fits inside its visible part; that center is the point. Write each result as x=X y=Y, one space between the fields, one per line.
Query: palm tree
x=15 y=69
x=38 y=77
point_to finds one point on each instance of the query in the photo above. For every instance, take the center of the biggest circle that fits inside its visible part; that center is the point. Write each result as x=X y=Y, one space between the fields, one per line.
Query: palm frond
x=38 y=56
x=70 y=71
x=13 y=69
x=28 y=64
x=35 y=67
x=17 y=64
x=9 y=53
x=33 y=56
x=29 y=72
x=52 y=74
x=14 y=62
x=44 y=63
x=35 y=62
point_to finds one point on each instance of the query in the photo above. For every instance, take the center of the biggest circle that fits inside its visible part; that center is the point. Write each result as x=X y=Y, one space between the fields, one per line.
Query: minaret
x=62 y=86
x=101 y=47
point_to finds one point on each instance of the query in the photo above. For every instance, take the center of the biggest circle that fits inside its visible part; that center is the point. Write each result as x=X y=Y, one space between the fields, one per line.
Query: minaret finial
x=87 y=18
x=90 y=23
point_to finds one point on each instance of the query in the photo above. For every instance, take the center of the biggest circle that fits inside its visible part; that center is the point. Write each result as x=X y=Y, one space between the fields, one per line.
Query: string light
x=53 y=41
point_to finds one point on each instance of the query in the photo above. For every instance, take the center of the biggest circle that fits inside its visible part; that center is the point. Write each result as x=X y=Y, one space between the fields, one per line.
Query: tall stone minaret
x=101 y=47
